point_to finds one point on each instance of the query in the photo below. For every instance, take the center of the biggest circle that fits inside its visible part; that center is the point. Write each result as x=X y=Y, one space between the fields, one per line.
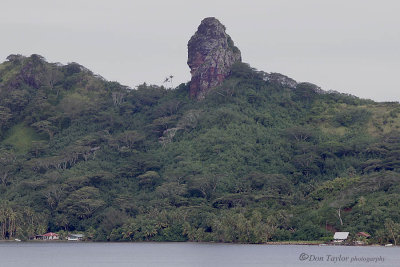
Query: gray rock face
x=211 y=53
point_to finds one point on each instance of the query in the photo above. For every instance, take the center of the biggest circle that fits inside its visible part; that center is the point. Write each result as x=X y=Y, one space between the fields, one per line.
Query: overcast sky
x=352 y=46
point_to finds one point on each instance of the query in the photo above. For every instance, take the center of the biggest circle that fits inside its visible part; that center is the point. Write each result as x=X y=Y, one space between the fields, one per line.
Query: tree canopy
x=254 y=161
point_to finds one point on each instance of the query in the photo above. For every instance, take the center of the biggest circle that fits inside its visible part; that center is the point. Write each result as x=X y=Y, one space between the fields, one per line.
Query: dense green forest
x=253 y=162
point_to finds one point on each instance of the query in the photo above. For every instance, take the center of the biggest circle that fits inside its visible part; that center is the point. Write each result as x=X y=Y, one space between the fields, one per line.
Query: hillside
x=256 y=160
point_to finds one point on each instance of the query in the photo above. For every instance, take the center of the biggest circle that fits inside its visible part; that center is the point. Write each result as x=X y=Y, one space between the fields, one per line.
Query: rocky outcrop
x=211 y=53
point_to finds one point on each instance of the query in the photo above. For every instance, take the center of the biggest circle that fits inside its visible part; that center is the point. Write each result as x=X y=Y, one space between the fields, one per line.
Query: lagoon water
x=190 y=255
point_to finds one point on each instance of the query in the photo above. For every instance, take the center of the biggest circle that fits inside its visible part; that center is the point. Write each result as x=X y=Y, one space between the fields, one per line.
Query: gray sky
x=352 y=46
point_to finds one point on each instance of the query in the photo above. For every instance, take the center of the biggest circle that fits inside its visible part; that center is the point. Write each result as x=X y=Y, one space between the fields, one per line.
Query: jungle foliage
x=253 y=162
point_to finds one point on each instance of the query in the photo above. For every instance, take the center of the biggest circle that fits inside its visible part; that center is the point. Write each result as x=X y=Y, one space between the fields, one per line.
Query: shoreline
x=273 y=243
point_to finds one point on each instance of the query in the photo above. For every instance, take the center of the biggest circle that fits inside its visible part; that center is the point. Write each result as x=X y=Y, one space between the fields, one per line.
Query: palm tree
x=166 y=80
x=170 y=79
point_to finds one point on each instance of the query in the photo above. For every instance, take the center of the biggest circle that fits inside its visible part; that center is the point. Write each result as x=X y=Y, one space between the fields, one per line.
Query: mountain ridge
x=260 y=158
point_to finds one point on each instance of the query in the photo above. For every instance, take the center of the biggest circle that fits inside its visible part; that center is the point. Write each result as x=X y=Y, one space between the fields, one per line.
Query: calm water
x=190 y=254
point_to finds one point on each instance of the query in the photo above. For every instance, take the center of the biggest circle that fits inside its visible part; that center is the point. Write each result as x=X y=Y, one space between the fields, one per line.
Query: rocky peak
x=211 y=53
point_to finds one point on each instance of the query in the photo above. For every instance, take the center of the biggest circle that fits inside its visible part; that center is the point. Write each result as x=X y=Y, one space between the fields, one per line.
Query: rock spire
x=211 y=53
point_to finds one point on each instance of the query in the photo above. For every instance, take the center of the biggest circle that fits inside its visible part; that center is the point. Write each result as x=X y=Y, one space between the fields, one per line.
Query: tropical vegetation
x=254 y=162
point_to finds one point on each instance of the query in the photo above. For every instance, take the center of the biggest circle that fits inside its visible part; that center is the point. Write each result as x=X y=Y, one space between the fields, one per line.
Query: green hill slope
x=255 y=161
